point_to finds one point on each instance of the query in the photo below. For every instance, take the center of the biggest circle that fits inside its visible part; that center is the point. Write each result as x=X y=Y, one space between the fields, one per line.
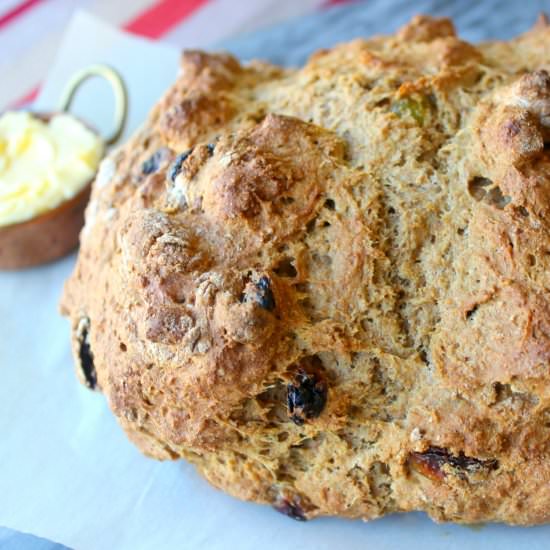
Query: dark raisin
x=329 y=203
x=152 y=163
x=430 y=463
x=178 y=163
x=86 y=359
x=211 y=147
x=477 y=187
x=306 y=397
x=522 y=211
x=496 y=198
x=291 y=509
x=259 y=293
x=265 y=294
x=472 y=311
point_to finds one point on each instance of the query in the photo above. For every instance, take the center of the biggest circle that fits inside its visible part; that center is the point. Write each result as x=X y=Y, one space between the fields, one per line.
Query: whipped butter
x=43 y=164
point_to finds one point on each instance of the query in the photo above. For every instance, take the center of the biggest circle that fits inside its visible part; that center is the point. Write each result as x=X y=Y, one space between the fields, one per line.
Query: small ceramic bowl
x=54 y=233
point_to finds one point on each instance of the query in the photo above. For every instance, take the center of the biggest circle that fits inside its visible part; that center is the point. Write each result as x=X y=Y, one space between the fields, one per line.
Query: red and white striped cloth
x=31 y=30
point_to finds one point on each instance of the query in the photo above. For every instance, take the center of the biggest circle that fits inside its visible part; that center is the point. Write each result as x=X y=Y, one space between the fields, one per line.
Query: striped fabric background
x=31 y=30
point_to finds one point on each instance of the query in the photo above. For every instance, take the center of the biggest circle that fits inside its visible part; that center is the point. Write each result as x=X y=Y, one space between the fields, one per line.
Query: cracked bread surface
x=327 y=287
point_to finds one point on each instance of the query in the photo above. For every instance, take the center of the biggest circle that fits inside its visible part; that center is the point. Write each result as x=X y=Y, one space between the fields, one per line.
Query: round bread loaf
x=328 y=288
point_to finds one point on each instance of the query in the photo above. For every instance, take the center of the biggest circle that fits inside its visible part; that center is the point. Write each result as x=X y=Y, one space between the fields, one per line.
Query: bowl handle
x=119 y=91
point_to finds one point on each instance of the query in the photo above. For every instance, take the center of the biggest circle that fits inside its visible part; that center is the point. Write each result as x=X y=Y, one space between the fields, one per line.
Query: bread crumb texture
x=328 y=287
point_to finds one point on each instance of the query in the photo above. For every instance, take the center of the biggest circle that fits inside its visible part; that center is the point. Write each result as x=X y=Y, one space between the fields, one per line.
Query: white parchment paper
x=67 y=471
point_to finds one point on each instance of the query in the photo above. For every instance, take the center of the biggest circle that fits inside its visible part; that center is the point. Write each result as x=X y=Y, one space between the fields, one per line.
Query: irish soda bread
x=328 y=288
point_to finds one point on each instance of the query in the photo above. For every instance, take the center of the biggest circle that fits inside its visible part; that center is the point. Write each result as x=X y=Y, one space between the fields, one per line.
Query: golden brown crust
x=328 y=287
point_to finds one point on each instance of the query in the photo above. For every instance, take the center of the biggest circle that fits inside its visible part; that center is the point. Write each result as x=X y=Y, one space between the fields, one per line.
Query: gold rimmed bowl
x=54 y=233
